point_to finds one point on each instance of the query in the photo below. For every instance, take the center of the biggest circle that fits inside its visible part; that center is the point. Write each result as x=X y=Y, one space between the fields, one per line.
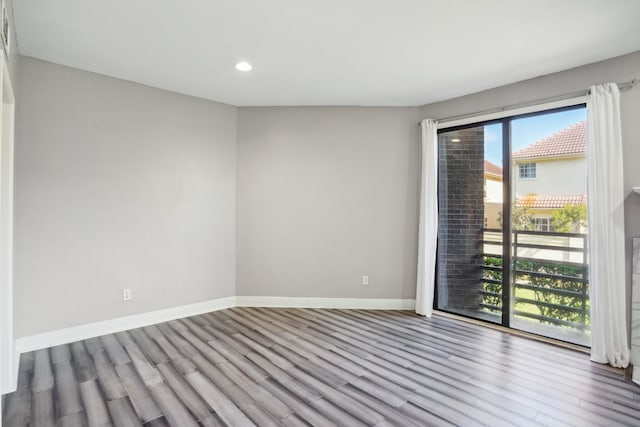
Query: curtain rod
x=623 y=87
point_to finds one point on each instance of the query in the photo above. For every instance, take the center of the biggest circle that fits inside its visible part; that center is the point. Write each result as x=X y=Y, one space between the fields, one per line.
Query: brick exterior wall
x=461 y=204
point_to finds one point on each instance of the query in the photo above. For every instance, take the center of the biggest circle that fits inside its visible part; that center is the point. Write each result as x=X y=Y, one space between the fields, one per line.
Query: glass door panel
x=469 y=277
x=550 y=289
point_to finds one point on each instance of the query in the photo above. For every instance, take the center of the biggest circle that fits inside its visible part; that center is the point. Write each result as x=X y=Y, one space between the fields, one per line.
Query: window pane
x=527 y=170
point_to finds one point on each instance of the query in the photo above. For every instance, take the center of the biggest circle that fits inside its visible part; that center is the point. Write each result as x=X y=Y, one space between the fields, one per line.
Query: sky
x=528 y=130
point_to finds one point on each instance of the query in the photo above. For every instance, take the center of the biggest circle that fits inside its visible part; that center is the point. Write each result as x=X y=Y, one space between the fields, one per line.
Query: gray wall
x=118 y=186
x=325 y=196
x=619 y=69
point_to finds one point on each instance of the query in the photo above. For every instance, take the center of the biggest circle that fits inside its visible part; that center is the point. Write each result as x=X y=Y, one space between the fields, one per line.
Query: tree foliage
x=521 y=218
x=569 y=219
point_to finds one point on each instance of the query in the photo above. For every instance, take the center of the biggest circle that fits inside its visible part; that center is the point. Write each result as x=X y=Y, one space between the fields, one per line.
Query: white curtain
x=605 y=195
x=428 y=231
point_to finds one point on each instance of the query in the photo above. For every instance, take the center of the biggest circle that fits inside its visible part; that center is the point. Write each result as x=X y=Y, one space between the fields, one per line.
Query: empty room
x=320 y=213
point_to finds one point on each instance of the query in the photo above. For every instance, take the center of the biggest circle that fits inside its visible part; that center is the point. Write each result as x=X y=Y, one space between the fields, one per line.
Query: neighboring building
x=552 y=173
x=543 y=206
x=492 y=194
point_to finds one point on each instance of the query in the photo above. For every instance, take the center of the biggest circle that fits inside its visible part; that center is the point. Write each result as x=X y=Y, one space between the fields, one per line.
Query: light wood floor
x=298 y=367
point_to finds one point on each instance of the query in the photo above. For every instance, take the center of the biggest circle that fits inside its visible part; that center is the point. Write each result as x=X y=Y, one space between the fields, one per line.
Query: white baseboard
x=9 y=385
x=82 y=332
x=303 y=302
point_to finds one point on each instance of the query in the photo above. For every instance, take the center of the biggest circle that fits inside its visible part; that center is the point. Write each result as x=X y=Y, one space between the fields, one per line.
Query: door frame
x=9 y=359
x=504 y=117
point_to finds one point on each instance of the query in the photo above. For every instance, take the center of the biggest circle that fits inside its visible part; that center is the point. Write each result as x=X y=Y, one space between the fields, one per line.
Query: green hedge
x=568 y=283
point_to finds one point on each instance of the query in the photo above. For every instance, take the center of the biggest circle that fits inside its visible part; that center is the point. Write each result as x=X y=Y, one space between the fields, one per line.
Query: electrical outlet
x=365 y=280
x=126 y=294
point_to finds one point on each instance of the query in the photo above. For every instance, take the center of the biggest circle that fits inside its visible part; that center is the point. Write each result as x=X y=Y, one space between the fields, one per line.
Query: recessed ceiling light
x=455 y=140
x=243 y=66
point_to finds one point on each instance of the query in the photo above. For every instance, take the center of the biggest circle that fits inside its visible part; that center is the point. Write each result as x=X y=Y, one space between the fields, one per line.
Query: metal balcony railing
x=548 y=277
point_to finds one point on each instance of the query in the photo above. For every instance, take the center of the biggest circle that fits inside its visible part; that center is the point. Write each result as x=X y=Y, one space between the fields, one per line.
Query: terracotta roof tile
x=536 y=201
x=571 y=140
x=492 y=168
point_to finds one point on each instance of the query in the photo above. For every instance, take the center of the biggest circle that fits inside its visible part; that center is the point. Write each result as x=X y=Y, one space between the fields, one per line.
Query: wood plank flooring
x=300 y=367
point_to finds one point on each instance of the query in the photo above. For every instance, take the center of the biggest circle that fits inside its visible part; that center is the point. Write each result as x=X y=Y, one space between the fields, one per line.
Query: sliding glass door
x=512 y=241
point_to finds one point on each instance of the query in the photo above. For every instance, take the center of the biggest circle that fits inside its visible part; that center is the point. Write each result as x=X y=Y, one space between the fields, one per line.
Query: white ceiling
x=326 y=52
